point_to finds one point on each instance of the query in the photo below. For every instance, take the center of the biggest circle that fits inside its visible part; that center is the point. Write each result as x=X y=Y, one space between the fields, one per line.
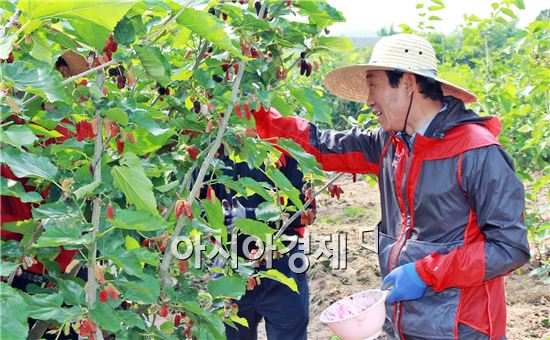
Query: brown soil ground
x=528 y=298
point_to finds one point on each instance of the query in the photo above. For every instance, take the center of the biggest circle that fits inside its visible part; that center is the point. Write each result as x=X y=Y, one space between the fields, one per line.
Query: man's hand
x=232 y=212
x=407 y=284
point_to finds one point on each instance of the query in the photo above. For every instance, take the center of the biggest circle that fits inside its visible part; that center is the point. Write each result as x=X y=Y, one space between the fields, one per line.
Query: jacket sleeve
x=496 y=198
x=352 y=151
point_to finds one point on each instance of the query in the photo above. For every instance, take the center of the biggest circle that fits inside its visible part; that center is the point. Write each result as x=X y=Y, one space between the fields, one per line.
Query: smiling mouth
x=377 y=113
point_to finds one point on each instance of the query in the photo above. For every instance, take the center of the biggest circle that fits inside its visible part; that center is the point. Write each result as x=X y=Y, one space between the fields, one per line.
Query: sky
x=365 y=17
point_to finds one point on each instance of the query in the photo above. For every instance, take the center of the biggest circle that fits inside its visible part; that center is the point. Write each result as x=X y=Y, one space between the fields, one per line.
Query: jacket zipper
x=407 y=227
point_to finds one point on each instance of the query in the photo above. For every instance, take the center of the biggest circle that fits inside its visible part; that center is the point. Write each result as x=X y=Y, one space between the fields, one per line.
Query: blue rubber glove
x=407 y=284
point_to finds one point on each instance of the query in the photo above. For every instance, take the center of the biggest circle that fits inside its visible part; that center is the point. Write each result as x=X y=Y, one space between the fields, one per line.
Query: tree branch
x=297 y=213
x=13 y=19
x=202 y=172
x=96 y=211
x=73 y=78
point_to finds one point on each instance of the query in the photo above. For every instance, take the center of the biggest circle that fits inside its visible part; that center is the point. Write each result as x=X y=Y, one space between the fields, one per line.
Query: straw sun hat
x=76 y=62
x=403 y=52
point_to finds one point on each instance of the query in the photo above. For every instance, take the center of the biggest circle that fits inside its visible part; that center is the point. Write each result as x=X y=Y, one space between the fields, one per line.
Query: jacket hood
x=455 y=115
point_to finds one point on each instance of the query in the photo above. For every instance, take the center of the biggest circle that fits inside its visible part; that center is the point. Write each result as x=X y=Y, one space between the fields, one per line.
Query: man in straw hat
x=452 y=207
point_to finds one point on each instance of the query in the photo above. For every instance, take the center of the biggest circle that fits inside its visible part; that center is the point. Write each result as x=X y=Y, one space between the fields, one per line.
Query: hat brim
x=77 y=63
x=350 y=82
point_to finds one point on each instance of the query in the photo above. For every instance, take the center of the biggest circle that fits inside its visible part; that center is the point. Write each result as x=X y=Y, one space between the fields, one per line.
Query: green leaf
x=9 y=187
x=227 y=287
x=137 y=188
x=40 y=130
x=105 y=13
x=130 y=243
x=18 y=135
x=6 y=268
x=41 y=81
x=167 y=327
x=155 y=63
x=336 y=44
x=60 y=232
x=145 y=289
x=214 y=212
x=194 y=308
x=255 y=228
x=146 y=142
x=32 y=196
x=145 y=255
x=90 y=33
x=139 y=220
x=125 y=32
x=239 y=320
x=210 y=327
x=306 y=161
x=509 y=12
x=13 y=313
x=117 y=115
x=210 y=28
x=24 y=164
x=315 y=105
x=181 y=38
x=5 y=45
x=72 y=291
x=256 y=187
x=25 y=227
x=126 y=261
x=105 y=316
x=285 y=186
x=131 y=319
x=46 y=307
x=62 y=39
x=41 y=50
x=268 y=212
x=231 y=184
x=252 y=22
x=54 y=210
x=519 y=4
x=167 y=187
x=321 y=13
x=278 y=276
x=439 y=5
x=281 y=105
x=85 y=190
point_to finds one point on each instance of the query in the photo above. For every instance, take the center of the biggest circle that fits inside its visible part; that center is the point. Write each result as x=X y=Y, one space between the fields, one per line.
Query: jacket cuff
x=422 y=272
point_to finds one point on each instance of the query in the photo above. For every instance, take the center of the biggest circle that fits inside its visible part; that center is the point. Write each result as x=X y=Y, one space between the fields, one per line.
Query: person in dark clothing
x=286 y=312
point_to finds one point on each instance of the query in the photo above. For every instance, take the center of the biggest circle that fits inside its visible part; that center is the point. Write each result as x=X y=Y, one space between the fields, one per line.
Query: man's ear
x=409 y=80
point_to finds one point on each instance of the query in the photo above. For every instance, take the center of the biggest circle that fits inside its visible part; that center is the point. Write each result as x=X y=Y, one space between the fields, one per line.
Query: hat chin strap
x=407 y=116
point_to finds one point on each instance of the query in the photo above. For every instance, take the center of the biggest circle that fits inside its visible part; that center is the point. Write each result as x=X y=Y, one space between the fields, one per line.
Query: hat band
x=428 y=72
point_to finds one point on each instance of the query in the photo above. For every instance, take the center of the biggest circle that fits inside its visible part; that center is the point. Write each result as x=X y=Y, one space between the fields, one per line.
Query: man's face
x=388 y=104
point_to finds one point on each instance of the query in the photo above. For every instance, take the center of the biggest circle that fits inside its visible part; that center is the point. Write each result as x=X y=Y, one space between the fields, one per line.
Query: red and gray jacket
x=452 y=204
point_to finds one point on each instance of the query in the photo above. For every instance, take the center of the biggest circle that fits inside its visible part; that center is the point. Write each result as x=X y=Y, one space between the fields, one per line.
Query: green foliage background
x=174 y=45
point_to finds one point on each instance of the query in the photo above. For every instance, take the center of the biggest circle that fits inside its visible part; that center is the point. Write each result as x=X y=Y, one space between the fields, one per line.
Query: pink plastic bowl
x=358 y=316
